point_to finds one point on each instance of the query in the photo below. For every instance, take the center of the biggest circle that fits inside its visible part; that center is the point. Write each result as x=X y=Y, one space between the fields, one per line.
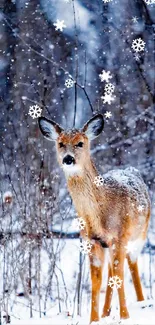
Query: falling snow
x=69 y=83
x=98 y=181
x=135 y=19
x=107 y=114
x=68 y=60
x=109 y=88
x=79 y=223
x=108 y=98
x=35 y=111
x=149 y=2
x=138 y=45
x=85 y=247
x=105 y=76
x=115 y=282
x=59 y=25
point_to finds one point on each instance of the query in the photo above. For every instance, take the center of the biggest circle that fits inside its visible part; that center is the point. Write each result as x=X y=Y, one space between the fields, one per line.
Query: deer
x=116 y=214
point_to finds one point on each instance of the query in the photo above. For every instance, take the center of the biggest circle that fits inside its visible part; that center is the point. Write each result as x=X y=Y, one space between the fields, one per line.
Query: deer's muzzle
x=68 y=160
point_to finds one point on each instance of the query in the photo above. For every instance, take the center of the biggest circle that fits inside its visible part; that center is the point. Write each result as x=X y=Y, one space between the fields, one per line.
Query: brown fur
x=111 y=214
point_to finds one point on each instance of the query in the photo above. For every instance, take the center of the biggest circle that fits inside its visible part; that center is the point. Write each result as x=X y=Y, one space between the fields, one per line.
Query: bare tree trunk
x=29 y=281
x=79 y=283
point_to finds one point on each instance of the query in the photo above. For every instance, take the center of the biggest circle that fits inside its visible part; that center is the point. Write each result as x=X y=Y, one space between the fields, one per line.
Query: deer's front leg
x=96 y=267
x=118 y=271
x=108 y=296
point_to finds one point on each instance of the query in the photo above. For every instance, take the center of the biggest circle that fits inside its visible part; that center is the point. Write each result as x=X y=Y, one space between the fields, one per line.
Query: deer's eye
x=80 y=144
x=61 y=145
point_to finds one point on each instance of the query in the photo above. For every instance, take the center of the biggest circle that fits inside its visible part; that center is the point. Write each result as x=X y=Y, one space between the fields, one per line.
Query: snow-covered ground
x=140 y=313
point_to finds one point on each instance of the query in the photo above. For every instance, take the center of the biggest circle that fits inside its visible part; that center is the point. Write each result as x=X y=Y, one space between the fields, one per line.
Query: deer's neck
x=89 y=201
x=85 y=194
x=84 y=179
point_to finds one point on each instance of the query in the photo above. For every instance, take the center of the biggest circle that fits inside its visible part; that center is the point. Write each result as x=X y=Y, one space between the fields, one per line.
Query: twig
x=48 y=59
x=76 y=60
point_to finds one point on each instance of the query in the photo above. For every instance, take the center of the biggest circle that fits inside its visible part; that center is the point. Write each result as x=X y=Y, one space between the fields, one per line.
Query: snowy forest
x=68 y=60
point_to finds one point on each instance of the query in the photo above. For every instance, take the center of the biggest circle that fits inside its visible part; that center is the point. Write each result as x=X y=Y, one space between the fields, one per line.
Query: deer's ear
x=94 y=126
x=49 y=128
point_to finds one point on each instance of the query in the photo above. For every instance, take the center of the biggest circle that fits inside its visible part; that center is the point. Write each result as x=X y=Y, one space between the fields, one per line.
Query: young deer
x=116 y=213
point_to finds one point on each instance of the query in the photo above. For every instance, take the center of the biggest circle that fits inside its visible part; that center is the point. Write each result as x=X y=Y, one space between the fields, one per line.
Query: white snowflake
x=85 y=247
x=69 y=83
x=130 y=248
x=98 y=181
x=108 y=98
x=59 y=25
x=140 y=208
x=79 y=223
x=137 y=57
x=105 y=76
x=35 y=111
x=135 y=19
x=105 y=1
x=107 y=114
x=115 y=281
x=109 y=88
x=138 y=45
x=149 y=2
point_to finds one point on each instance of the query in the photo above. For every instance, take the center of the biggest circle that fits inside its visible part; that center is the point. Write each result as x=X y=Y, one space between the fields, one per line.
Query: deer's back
x=120 y=206
x=129 y=183
x=127 y=205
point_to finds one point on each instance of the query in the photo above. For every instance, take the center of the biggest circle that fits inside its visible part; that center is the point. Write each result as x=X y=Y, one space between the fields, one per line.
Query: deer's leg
x=118 y=270
x=96 y=267
x=133 y=266
x=108 y=296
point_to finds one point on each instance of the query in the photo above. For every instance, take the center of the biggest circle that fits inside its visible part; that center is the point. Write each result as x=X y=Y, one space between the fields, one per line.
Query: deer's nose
x=68 y=160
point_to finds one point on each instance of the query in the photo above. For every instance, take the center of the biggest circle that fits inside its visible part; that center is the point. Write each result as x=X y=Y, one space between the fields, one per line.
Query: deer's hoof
x=106 y=313
x=124 y=314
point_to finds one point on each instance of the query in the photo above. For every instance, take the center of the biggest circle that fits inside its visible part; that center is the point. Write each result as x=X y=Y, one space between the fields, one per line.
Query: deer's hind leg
x=133 y=266
x=118 y=274
x=108 y=296
x=96 y=268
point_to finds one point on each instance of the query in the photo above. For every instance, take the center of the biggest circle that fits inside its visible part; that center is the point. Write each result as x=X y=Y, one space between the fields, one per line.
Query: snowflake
x=130 y=248
x=79 y=223
x=105 y=76
x=69 y=83
x=109 y=88
x=107 y=114
x=59 y=25
x=85 y=247
x=138 y=45
x=35 y=111
x=108 y=98
x=149 y=2
x=140 y=208
x=137 y=57
x=115 y=281
x=135 y=19
x=105 y=1
x=98 y=181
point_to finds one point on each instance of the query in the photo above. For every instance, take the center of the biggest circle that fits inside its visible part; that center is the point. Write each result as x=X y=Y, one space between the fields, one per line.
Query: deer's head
x=72 y=146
